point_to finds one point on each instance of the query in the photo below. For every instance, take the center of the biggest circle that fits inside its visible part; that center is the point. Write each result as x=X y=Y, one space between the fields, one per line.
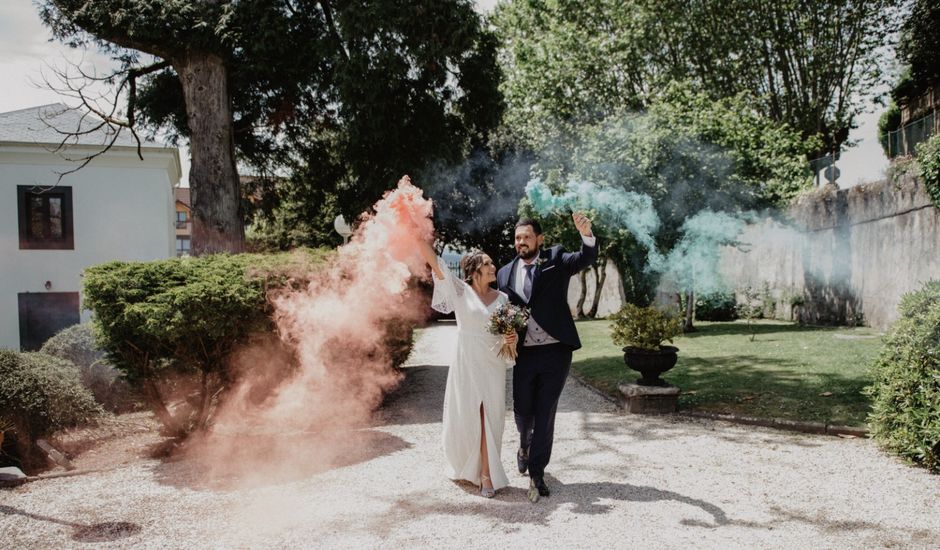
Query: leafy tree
x=768 y=157
x=569 y=62
x=687 y=153
x=809 y=63
x=383 y=87
x=919 y=49
x=889 y=121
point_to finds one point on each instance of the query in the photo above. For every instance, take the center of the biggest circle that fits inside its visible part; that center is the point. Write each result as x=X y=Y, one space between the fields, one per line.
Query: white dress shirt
x=536 y=335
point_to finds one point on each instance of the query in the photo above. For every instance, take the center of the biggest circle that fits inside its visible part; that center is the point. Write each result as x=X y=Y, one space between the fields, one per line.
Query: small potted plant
x=642 y=330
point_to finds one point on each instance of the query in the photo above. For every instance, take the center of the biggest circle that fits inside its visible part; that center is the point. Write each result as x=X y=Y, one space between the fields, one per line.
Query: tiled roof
x=49 y=124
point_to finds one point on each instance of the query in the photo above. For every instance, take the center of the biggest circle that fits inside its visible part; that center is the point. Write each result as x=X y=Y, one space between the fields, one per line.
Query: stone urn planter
x=651 y=363
x=643 y=330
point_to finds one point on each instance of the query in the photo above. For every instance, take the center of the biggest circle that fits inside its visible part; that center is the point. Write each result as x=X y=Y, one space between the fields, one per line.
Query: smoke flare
x=692 y=264
x=336 y=329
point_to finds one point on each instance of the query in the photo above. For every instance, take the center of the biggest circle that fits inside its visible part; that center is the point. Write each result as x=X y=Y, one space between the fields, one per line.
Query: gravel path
x=617 y=480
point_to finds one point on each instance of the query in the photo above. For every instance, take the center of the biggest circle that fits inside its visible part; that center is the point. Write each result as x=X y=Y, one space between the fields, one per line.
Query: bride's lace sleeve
x=447 y=291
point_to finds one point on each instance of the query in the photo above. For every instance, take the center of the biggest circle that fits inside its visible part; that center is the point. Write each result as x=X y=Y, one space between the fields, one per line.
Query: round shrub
x=905 y=416
x=40 y=394
x=77 y=344
x=719 y=306
x=643 y=327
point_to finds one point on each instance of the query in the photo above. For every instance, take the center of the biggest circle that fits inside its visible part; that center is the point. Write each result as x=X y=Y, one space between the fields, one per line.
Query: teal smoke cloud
x=614 y=207
x=694 y=261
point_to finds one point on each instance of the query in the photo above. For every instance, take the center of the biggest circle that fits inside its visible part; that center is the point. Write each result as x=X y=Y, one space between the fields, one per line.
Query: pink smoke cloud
x=339 y=362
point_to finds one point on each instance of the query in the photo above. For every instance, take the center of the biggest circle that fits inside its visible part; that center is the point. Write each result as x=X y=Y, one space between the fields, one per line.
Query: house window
x=42 y=314
x=182 y=246
x=45 y=217
x=181 y=218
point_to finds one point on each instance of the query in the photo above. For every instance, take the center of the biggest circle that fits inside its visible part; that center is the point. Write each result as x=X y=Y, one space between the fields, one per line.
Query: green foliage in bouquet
x=643 y=327
x=905 y=416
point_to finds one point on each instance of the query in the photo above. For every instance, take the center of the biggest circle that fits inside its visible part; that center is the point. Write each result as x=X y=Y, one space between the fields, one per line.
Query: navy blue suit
x=541 y=371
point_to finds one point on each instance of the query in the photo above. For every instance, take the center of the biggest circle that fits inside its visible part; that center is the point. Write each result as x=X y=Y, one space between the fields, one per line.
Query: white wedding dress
x=476 y=375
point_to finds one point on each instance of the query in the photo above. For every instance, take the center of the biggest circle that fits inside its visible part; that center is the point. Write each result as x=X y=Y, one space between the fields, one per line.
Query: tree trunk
x=689 y=309
x=213 y=178
x=600 y=275
x=583 y=296
x=171 y=426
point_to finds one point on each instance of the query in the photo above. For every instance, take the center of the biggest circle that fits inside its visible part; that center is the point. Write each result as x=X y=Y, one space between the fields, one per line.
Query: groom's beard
x=529 y=254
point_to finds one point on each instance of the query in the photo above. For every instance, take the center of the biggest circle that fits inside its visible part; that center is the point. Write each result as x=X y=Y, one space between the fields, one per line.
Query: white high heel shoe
x=486 y=492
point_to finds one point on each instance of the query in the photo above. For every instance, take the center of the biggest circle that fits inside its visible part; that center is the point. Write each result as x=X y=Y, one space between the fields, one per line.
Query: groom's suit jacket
x=548 y=304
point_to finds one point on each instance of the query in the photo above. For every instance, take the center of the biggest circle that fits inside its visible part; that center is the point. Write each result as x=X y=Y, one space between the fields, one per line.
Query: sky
x=26 y=55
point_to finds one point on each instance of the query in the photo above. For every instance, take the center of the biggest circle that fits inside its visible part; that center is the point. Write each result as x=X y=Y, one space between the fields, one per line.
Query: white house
x=118 y=207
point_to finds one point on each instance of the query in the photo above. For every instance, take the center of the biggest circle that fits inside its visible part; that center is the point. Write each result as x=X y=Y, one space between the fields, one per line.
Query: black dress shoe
x=522 y=460
x=542 y=488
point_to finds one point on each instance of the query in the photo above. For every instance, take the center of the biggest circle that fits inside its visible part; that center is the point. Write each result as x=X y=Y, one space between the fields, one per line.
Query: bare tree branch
x=104 y=119
x=328 y=15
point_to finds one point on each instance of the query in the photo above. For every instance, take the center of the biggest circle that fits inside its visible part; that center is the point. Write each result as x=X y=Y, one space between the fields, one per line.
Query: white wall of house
x=123 y=209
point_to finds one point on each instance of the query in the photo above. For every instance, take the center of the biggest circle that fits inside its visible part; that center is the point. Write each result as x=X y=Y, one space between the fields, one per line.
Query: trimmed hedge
x=40 y=394
x=77 y=344
x=186 y=317
x=905 y=416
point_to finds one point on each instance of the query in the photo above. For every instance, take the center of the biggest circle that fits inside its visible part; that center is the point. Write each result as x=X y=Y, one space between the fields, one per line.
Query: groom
x=539 y=279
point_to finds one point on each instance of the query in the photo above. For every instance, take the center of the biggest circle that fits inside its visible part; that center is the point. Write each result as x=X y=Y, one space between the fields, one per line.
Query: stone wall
x=849 y=256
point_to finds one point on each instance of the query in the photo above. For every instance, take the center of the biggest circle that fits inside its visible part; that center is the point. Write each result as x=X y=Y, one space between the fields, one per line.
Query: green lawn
x=783 y=373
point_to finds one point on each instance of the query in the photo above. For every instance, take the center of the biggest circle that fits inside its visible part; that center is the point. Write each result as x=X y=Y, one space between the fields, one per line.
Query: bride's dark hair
x=471 y=264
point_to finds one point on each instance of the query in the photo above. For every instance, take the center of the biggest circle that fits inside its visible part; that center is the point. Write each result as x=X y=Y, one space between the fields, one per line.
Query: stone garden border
x=776 y=423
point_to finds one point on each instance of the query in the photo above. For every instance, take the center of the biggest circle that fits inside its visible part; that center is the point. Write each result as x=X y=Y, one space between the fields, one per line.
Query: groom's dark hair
x=529 y=221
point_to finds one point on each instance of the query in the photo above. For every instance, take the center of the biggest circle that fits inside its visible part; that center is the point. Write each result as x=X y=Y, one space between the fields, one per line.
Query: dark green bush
x=905 y=416
x=184 y=317
x=77 y=344
x=40 y=394
x=719 y=306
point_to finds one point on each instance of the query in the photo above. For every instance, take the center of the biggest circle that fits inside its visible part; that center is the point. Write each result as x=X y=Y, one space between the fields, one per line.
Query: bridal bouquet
x=505 y=320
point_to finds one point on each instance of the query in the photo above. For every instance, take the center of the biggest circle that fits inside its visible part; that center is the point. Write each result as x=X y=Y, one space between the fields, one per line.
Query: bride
x=475 y=397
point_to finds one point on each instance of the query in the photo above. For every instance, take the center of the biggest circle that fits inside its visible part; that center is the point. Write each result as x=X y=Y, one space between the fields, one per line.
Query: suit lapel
x=511 y=282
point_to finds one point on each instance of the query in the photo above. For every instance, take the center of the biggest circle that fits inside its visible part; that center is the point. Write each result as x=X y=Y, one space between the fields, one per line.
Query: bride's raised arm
x=424 y=247
x=431 y=258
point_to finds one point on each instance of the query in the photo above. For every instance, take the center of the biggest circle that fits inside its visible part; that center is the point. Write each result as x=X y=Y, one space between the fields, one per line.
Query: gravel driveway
x=618 y=481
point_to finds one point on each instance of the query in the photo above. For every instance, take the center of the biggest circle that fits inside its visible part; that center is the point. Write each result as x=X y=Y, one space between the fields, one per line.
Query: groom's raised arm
x=576 y=261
